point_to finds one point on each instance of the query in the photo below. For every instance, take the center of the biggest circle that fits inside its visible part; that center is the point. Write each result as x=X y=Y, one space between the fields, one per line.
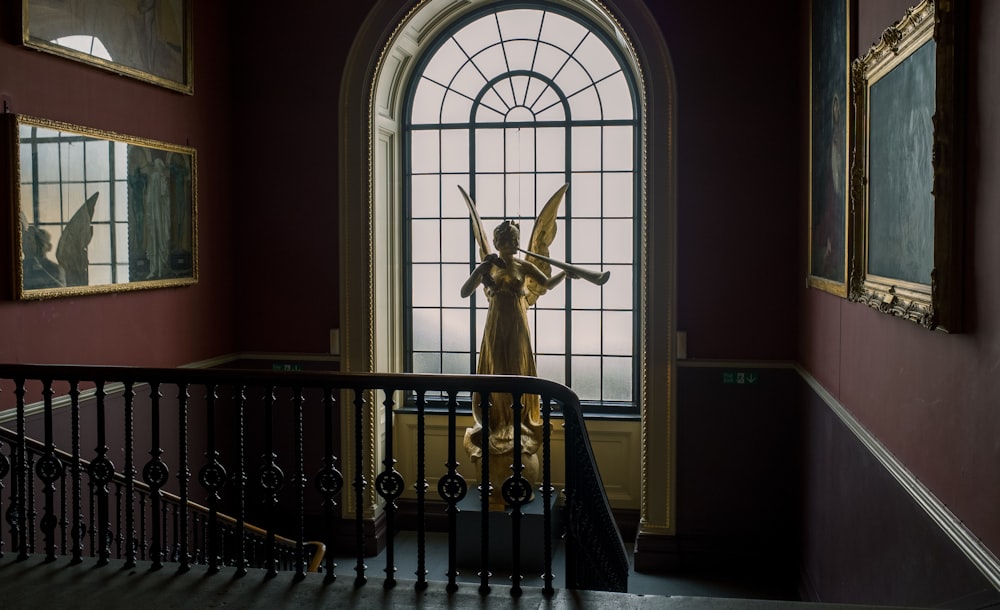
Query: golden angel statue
x=511 y=285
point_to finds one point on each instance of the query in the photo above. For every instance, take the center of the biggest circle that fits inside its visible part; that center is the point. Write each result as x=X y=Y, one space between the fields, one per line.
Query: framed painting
x=147 y=39
x=830 y=46
x=98 y=212
x=907 y=185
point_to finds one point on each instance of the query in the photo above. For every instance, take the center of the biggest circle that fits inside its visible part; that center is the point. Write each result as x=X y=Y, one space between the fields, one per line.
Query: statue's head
x=507 y=230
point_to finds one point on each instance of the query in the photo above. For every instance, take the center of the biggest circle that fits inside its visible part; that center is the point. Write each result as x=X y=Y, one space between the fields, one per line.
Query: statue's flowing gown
x=506 y=350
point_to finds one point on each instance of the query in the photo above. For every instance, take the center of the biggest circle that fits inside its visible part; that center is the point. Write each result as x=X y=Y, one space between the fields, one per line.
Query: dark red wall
x=932 y=398
x=165 y=327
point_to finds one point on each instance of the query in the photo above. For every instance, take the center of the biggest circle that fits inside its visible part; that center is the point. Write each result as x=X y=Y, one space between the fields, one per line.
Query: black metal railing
x=250 y=428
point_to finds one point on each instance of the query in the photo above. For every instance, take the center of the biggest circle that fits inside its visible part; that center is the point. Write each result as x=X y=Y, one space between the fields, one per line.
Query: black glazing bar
x=300 y=485
x=389 y=491
x=329 y=483
x=453 y=495
x=359 y=488
x=516 y=498
x=270 y=481
x=99 y=481
x=76 y=529
x=19 y=525
x=153 y=475
x=547 y=577
x=240 y=560
x=129 y=472
x=421 y=489
x=211 y=478
x=183 y=479
x=485 y=489
x=46 y=471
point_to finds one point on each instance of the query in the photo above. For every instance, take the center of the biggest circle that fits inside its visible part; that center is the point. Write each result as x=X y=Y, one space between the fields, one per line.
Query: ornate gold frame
x=152 y=44
x=927 y=237
x=98 y=212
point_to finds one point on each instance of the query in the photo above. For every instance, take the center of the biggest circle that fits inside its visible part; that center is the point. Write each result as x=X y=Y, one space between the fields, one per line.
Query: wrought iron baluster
x=212 y=477
x=240 y=560
x=421 y=487
x=143 y=538
x=129 y=533
x=155 y=474
x=329 y=482
x=49 y=469
x=19 y=523
x=32 y=513
x=183 y=479
x=452 y=488
x=547 y=576
x=485 y=490
x=120 y=532
x=102 y=471
x=300 y=485
x=78 y=527
x=359 y=488
x=516 y=492
x=271 y=480
x=389 y=485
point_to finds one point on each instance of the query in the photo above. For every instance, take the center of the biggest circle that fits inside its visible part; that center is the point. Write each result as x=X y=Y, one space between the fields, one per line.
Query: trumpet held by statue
x=594 y=277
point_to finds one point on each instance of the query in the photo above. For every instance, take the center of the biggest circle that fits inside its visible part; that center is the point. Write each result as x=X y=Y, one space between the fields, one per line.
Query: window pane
x=586 y=332
x=489 y=150
x=99 y=250
x=453 y=276
x=72 y=159
x=521 y=23
x=455 y=332
x=424 y=196
x=586 y=189
x=446 y=61
x=551 y=144
x=618 y=195
x=426 y=286
x=458 y=109
x=456 y=364
x=587 y=377
x=586 y=241
x=520 y=53
x=469 y=81
x=551 y=367
x=426 y=329
x=618 y=290
x=424 y=152
x=594 y=54
x=618 y=148
x=585 y=105
x=587 y=295
x=617 y=379
x=452 y=203
x=456 y=237
x=551 y=336
x=615 y=97
x=98 y=160
x=562 y=31
x=618 y=241
x=520 y=149
x=478 y=35
x=426 y=363
x=586 y=149
x=426 y=241
x=617 y=331
x=454 y=150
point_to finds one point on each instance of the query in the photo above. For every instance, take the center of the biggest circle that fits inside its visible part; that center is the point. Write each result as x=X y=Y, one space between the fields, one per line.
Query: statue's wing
x=541 y=238
x=477 y=225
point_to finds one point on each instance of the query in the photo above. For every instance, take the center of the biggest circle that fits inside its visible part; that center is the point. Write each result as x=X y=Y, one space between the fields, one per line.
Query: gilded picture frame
x=907 y=187
x=150 y=40
x=99 y=212
x=831 y=44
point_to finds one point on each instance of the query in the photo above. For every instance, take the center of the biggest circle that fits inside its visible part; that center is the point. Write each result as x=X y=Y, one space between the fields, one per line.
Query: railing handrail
x=588 y=511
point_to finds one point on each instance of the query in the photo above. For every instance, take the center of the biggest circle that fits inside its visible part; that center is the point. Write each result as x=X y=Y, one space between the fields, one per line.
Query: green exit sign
x=740 y=377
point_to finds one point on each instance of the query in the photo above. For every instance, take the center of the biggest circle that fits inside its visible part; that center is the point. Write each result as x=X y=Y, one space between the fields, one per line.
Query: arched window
x=510 y=103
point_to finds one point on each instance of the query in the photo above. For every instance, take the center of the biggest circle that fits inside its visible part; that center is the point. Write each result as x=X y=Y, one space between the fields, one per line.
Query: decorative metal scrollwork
x=329 y=482
x=516 y=491
x=389 y=485
x=101 y=470
x=271 y=478
x=49 y=468
x=212 y=476
x=452 y=487
x=155 y=473
x=4 y=465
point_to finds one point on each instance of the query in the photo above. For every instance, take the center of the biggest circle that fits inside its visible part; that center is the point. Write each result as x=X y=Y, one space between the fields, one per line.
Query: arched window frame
x=369 y=196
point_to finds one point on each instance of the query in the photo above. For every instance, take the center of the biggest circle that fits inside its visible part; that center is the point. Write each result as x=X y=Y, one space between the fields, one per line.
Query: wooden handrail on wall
x=268 y=446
